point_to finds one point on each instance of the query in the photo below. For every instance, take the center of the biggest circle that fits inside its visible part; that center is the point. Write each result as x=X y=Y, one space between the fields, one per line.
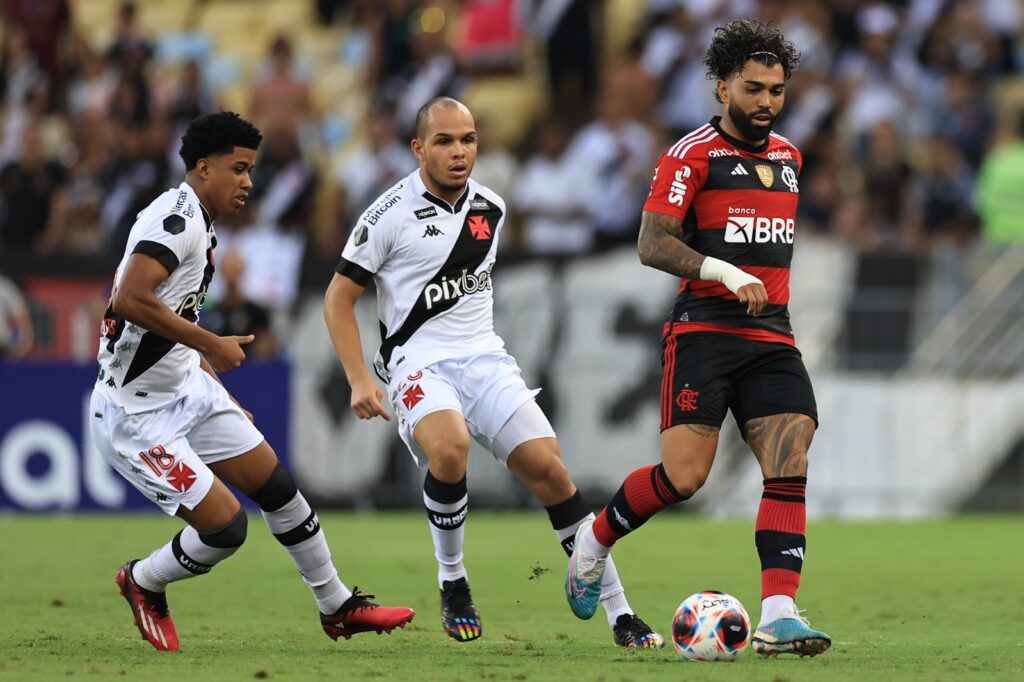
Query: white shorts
x=485 y=389
x=164 y=452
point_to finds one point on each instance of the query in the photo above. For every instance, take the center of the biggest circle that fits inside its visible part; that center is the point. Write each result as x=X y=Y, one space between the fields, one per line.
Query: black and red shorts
x=706 y=373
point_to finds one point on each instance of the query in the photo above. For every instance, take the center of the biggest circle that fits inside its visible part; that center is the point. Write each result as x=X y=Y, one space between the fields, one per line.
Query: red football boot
x=359 y=614
x=149 y=609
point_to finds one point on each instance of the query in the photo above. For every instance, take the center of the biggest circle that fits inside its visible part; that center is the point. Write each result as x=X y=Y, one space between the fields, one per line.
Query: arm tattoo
x=703 y=430
x=660 y=247
x=780 y=443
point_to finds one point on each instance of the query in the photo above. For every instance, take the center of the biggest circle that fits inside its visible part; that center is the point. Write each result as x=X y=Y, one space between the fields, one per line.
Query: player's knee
x=278 y=491
x=229 y=536
x=552 y=471
x=448 y=452
x=687 y=480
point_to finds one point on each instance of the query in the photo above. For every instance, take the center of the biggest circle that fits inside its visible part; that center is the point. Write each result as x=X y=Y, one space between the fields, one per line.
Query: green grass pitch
x=936 y=600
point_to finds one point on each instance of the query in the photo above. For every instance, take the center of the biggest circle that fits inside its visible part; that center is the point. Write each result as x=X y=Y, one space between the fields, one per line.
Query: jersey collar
x=716 y=123
x=206 y=214
x=422 y=190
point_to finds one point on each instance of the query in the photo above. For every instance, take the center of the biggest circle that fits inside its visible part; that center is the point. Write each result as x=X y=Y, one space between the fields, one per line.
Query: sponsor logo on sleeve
x=677 y=192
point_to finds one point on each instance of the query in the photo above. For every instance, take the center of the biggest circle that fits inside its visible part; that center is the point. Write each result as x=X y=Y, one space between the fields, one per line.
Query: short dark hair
x=424 y=111
x=217 y=133
x=743 y=39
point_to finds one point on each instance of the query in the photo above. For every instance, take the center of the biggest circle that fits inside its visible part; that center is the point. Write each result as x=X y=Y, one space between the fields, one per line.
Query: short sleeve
x=675 y=183
x=167 y=239
x=366 y=251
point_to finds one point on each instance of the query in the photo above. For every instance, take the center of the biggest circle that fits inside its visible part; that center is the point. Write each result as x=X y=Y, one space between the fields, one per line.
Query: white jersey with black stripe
x=140 y=370
x=431 y=262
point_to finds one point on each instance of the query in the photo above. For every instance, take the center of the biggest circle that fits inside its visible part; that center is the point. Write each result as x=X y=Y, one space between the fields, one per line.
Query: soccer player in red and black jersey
x=721 y=215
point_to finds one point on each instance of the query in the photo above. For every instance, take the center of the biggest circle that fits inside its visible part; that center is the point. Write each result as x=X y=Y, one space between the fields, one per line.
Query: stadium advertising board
x=47 y=460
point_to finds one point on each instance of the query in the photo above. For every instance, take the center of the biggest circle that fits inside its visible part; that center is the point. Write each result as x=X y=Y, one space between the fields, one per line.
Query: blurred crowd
x=908 y=115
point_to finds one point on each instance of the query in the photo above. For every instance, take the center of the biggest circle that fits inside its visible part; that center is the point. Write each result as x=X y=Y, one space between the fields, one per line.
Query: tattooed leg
x=780 y=443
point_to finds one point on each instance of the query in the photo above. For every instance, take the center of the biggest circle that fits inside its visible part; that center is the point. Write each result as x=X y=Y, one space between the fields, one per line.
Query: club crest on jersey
x=766 y=174
x=455 y=288
x=480 y=228
x=789 y=179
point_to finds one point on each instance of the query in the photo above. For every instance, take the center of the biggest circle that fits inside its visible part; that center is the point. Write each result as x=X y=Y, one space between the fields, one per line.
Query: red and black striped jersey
x=737 y=203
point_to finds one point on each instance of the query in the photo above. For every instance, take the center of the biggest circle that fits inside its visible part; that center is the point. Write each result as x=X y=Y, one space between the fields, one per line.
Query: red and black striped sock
x=780 y=534
x=644 y=493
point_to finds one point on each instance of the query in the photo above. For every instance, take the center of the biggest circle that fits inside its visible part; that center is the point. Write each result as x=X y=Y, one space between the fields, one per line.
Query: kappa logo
x=412 y=396
x=759 y=230
x=739 y=170
x=687 y=400
x=431 y=231
x=480 y=228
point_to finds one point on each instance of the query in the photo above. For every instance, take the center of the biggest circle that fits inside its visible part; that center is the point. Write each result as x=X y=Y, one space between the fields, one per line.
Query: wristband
x=715 y=270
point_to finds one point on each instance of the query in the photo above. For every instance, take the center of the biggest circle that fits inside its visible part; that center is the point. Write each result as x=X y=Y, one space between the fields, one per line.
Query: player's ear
x=417 y=148
x=203 y=168
x=723 y=91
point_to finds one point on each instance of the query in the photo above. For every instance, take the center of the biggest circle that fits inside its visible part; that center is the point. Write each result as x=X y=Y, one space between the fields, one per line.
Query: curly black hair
x=743 y=39
x=217 y=133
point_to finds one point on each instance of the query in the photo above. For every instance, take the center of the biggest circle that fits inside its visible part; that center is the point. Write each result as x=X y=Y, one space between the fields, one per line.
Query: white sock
x=296 y=526
x=776 y=606
x=591 y=545
x=613 y=594
x=185 y=556
x=447 y=506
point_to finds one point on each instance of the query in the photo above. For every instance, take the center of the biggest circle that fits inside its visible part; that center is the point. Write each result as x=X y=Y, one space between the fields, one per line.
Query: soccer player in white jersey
x=429 y=244
x=163 y=420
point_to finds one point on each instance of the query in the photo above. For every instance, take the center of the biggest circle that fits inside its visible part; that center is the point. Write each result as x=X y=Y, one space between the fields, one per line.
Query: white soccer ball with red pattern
x=711 y=626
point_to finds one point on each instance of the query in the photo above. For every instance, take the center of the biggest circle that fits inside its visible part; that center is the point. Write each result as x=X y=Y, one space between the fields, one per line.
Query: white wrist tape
x=715 y=270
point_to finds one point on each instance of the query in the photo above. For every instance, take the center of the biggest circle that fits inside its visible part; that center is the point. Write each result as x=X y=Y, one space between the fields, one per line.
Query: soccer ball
x=710 y=626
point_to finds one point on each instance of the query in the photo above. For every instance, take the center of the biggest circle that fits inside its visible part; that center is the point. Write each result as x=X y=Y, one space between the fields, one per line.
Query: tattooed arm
x=659 y=247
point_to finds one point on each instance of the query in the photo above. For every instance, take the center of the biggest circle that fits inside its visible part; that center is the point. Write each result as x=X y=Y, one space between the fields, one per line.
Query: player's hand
x=755 y=296
x=366 y=400
x=226 y=352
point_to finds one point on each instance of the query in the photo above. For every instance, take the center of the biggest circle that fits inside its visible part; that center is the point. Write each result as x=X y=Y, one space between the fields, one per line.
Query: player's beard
x=745 y=124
